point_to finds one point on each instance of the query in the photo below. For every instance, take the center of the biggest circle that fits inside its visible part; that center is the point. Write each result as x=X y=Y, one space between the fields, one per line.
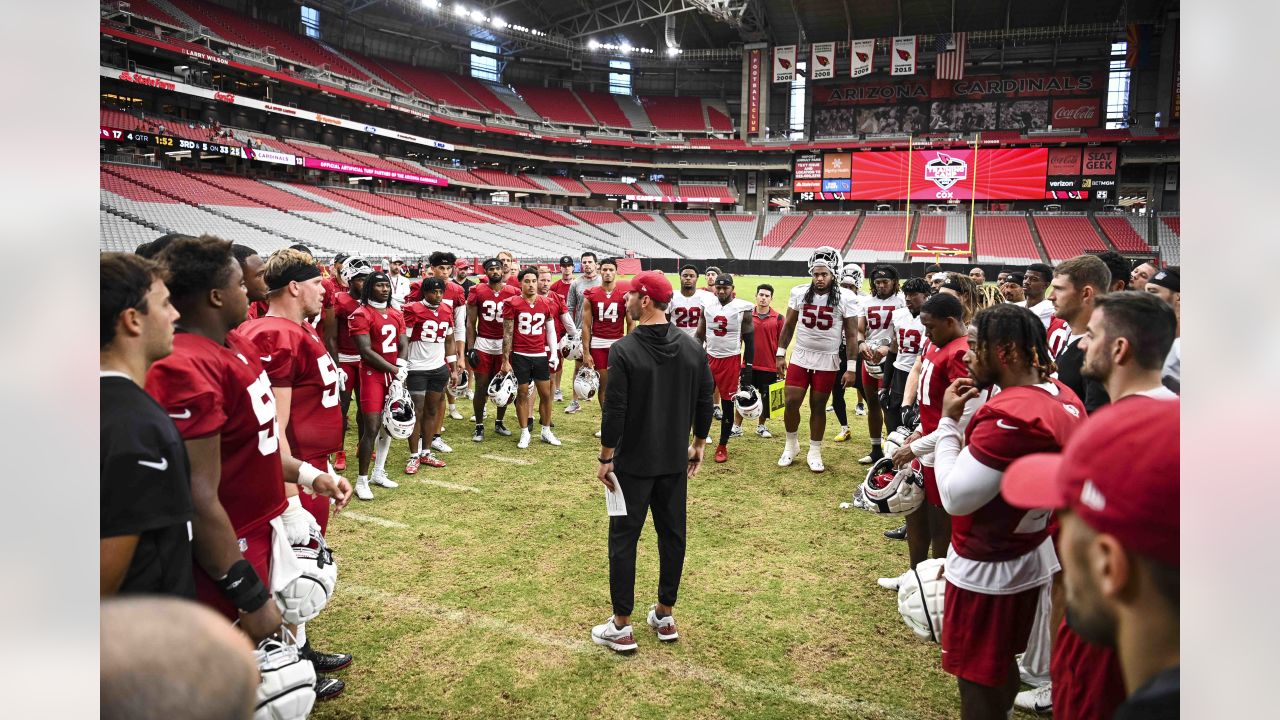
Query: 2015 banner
x=861 y=57
x=822 y=61
x=784 y=63
x=903 y=59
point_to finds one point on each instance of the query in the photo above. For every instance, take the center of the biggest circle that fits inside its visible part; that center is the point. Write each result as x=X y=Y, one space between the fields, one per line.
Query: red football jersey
x=257 y=309
x=514 y=282
x=607 y=310
x=331 y=289
x=489 y=305
x=295 y=357
x=558 y=309
x=561 y=288
x=211 y=389
x=384 y=331
x=1018 y=421
x=1057 y=334
x=766 y=331
x=939 y=367
x=529 y=336
x=429 y=331
x=343 y=305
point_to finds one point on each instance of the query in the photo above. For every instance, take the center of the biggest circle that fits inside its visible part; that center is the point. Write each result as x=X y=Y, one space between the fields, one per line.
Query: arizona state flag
x=1138 y=54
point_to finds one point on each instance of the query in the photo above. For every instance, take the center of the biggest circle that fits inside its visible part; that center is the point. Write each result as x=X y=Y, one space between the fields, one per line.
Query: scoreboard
x=958 y=174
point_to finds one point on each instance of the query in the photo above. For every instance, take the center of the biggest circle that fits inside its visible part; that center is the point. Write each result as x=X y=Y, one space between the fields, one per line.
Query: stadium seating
x=656 y=227
x=778 y=229
x=739 y=232
x=719 y=191
x=1169 y=233
x=434 y=85
x=1004 y=238
x=482 y=91
x=832 y=230
x=147 y=9
x=605 y=109
x=719 y=120
x=498 y=178
x=628 y=231
x=700 y=231
x=943 y=229
x=555 y=104
x=601 y=187
x=881 y=238
x=1066 y=236
x=1126 y=232
x=675 y=113
x=120 y=234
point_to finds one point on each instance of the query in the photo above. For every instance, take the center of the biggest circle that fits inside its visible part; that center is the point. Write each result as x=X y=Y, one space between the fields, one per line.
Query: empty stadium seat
x=779 y=227
x=881 y=238
x=1066 y=236
x=1004 y=238
x=700 y=233
x=739 y=232
x=675 y=113
x=1126 y=232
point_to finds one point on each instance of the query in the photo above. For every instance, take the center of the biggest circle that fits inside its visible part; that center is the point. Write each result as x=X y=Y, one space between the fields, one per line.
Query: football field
x=470 y=591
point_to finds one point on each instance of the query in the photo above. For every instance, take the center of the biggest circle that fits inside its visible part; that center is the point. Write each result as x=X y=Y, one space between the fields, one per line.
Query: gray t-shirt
x=574 y=300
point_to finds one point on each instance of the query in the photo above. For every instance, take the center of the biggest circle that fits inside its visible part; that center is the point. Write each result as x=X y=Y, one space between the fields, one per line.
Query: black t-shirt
x=146 y=489
x=1156 y=700
x=1091 y=392
x=467 y=284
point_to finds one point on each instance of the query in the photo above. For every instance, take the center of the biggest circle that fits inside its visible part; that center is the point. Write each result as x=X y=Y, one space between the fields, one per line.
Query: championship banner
x=753 y=92
x=822 y=63
x=902 y=60
x=784 y=63
x=861 y=57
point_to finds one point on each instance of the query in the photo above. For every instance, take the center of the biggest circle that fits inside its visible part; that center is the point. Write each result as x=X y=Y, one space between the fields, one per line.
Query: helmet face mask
x=355 y=267
x=891 y=492
x=398 y=416
x=828 y=257
x=586 y=383
x=460 y=388
x=748 y=403
x=502 y=389
x=571 y=348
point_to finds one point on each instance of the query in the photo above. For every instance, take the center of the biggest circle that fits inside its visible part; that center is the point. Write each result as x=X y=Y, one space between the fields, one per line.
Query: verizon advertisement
x=350 y=169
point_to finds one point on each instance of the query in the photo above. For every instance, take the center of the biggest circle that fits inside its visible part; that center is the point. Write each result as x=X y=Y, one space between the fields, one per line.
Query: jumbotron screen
x=964 y=174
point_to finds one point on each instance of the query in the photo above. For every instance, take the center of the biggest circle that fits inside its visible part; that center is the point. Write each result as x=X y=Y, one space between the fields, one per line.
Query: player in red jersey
x=379 y=332
x=484 y=340
x=214 y=388
x=432 y=364
x=253 y=268
x=1000 y=556
x=766 y=326
x=565 y=327
x=604 y=321
x=529 y=350
x=355 y=270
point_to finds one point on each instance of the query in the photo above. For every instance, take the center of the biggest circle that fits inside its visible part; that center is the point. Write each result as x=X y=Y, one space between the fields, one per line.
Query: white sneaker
x=473 y=418
x=666 y=626
x=763 y=431
x=379 y=478
x=549 y=437
x=891 y=583
x=608 y=635
x=362 y=490
x=524 y=439
x=453 y=412
x=1038 y=700
x=815 y=461
x=788 y=456
x=559 y=397
x=471 y=395
x=718 y=413
x=735 y=432
x=860 y=409
x=572 y=407
x=597 y=433
x=438 y=443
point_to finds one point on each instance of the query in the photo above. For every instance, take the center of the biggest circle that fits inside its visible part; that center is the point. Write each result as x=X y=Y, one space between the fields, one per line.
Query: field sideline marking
x=449 y=485
x=507 y=459
x=361 y=517
x=734 y=681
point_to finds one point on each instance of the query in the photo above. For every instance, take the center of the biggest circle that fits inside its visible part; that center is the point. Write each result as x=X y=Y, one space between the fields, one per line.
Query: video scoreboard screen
x=1075 y=173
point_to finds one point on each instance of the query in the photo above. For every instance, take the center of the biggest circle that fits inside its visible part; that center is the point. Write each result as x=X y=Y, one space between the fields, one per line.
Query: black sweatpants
x=666 y=495
x=837 y=393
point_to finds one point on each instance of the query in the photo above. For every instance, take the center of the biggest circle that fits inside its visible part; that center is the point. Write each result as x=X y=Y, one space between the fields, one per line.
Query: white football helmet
x=288 y=687
x=304 y=598
x=354 y=267
x=502 y=389
x=827 y=257
x=586 y=384
x=571 y=348
x=851 y=275
x=460 y=389
x=889 y=491
x=876 y=370
x=748 y=403
x=920 y=599
x=398 y=416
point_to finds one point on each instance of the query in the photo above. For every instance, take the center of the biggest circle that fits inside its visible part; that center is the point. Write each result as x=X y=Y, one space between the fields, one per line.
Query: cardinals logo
x=785 y=63
x=863 y=57
x=945 y=171
x=903 y=55
x=823 y=60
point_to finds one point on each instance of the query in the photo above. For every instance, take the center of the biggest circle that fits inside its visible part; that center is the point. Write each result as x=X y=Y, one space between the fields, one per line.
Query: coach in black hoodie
x=659 y=392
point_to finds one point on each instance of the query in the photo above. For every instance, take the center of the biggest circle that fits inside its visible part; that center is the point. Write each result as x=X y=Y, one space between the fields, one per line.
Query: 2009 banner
x=996 y=174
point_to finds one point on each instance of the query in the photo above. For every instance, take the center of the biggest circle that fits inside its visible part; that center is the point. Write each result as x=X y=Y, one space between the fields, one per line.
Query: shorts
x=820 y=380
x=373 y=390
x=726 y=372
x=352 y=369
x=427 y=381
x=317 y=505
x=257 y=550
x=489 y=365
x=761 y=380
x=537 y=369
x=600 y=356
x=898 y=388
x=981 y=634
x=931 y=494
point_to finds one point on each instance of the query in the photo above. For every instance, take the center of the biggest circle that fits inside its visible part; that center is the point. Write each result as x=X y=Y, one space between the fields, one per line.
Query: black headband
x=954 y=284
x=293 y=273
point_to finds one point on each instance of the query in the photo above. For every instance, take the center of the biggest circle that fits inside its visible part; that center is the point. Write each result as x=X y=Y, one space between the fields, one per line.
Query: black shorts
x=762 y=379
x=427 y=381
x=528 y=368
x=899 y=386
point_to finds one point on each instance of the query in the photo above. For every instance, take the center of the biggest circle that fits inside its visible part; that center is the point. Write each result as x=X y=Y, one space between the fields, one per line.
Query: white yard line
x=507 y=459
x=449 y=485
x=373 y=519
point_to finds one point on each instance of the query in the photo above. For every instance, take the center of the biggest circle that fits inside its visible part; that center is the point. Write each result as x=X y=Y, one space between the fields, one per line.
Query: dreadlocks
x=968 y=291
x=1009 y=324
x=989 y=295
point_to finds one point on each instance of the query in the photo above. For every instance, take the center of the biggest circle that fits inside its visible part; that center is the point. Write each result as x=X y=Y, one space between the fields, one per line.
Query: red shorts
x=256 y=547
x=600 y=356
x=317 y=505
x=982 y=633
x=726 y=371
x=488 y=365
x=373 y=390
x=870 y=383
x=822 y=381
x=931 y=494
x=1086 y=677
x=352 y=369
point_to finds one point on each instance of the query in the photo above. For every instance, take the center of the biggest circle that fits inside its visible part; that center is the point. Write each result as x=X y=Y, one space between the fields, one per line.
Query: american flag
x=950 y=49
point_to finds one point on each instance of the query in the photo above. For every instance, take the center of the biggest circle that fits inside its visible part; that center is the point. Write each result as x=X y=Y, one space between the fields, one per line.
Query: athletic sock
x=362 y=479
x=793 y=440
x=815 y=445
x=875 y=443
x=844 y=428
x=384 y=449
x=300 y=636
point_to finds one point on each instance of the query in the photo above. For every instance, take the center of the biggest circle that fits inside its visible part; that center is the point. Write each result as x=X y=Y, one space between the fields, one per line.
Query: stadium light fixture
x=459 y=11
x=626 y=48
x=433 y=4
x=477 y=16
x=672 y=52
x=593 y=45
x=499 y=23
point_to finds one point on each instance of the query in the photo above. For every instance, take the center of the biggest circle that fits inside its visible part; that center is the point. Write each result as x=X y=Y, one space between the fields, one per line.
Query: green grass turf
x=465 y=604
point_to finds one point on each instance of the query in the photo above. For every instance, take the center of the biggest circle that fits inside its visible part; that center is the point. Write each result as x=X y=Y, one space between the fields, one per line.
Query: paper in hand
x=614 y=501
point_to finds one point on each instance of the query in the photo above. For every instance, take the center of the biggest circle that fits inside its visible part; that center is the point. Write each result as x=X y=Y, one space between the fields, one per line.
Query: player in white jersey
x=817 y=315
x=908 y=341
x=685 y=309
x=727 y=330
x=877 y=365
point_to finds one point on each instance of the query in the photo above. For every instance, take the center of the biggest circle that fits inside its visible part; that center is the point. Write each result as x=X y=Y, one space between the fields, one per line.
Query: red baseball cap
x=654 y=284
x=1119 y=473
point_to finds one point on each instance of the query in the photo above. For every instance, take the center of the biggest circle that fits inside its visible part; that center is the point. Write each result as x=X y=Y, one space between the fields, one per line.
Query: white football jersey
x=909 y=332
x=879 y=315
x=820 y=327
x=685 y=312
x=1044 y=311
x=724 y=325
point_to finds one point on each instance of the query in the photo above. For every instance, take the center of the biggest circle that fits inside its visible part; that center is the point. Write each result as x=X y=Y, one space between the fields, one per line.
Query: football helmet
x=459 y=389
x=571 y=348
x=748 y=403
x=827 y=257
x=876 y=369
x=585 y=384
x=309 y=593
x=354 y=267
x=920 y=599
x=895 y=440
x=851 y=274
x=889 y=491
x=397 y=412
x=288 y=687
x=502 y=389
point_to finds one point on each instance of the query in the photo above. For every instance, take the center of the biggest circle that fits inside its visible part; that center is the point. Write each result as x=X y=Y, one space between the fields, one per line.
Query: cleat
x=719 y=414
x=898 y=533
x=815 y=462
x=549 y=437
x=328 y=688
x=524 y=439
x=735 y=432
x=860 y=410
x=788 y=456
x=379 y=478
x=478 y=435
x=722 y=453
x=1038 y=700
x=597 y=433
x=559 y=397
x=763 y=431
x=501 y=429
x=432 y=461
x=325 y=662
x=362 y=489
x=412 y=466
x=573 y=407
x=453 y=413
x=438 y=444
x=842 y=436
x=340 y=461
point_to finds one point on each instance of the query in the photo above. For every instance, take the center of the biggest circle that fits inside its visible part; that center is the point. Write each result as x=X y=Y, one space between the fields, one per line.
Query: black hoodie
x=659 y=390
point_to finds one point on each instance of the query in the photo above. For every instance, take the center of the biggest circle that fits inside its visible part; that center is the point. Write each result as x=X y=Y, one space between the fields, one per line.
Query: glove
x=883 y=396
x=473 y=358
x=298 y=523
x=402 y=371
x=553 y=361
x=342 y=380
x=911 y=416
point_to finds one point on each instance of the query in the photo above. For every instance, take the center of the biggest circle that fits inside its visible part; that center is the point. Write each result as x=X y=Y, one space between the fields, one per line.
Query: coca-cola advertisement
x=1076 y=113
x=1024 y=115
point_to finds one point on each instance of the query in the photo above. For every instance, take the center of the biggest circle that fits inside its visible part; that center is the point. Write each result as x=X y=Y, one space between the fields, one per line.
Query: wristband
x=605 y=461
x=781 y=352
x=307 y=475
x=851 y=365
x=242 y=587
x=450 y=358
